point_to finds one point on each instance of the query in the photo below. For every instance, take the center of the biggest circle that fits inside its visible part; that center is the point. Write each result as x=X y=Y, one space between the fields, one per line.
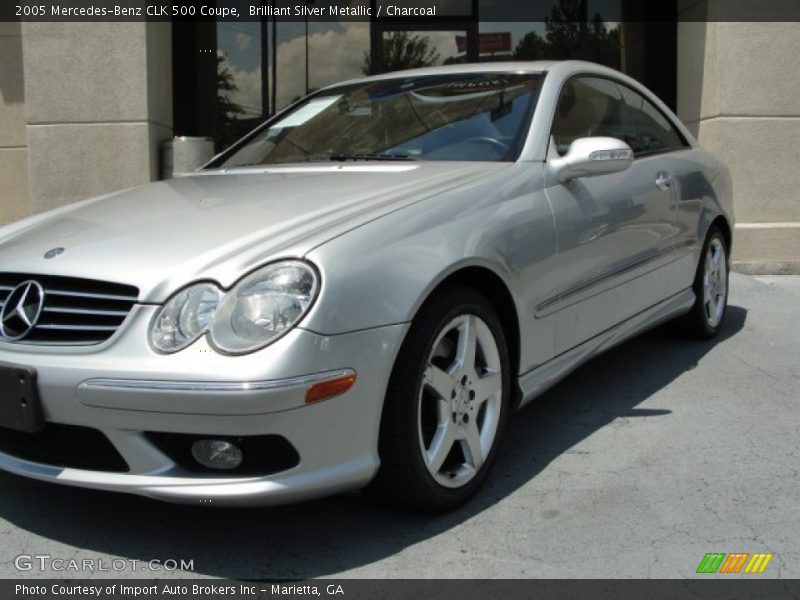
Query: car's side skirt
x=534 y=382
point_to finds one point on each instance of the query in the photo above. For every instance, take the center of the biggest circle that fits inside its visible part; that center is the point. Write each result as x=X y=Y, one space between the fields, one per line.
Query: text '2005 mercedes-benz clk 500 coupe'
x=359 y=293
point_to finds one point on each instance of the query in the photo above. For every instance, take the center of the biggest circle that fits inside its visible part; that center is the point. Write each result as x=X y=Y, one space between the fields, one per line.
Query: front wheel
x=446 y=405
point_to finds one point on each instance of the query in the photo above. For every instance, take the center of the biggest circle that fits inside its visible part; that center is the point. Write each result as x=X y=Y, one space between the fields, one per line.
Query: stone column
x=739 y=92
x=98 y=105
x=13 y=138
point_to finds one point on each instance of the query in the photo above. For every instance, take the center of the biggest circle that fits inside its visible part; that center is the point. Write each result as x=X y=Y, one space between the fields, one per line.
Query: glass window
x=588 y=107
x=470 y=116
x=651 y=131
x=313 y=54
x=551 y=30
x=291 y=62
x=239 y=80
x=593 y=106
x=406 y=49
x=338 y=52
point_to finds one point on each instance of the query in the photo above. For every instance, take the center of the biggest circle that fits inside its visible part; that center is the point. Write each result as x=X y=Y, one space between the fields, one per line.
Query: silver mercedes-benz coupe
x=359 y=293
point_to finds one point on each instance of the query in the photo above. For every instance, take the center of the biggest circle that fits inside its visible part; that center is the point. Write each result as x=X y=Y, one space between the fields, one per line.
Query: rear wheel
x=446 y=405
x=710 y=287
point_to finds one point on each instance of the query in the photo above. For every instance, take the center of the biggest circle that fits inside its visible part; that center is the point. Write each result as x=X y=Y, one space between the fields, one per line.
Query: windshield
x=468 y=117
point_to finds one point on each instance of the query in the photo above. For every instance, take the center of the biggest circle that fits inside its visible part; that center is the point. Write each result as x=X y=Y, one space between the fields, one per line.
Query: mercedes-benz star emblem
x=21 y=311
x=54 y=252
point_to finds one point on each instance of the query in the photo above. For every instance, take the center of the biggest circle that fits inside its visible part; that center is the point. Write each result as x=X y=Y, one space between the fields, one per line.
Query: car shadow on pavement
x=325 y=537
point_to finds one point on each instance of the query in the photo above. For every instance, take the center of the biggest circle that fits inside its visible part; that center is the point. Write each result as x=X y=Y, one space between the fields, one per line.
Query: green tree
x=226 y=85
x=531 y=47
x=228 y=111
x=568 y=35
x=402 y=50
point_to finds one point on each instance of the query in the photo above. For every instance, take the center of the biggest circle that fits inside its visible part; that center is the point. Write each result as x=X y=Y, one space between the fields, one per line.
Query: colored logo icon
x=736 y=562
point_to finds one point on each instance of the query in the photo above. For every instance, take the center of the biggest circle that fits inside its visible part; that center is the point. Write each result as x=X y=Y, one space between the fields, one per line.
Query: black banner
x=408 y=589
x=400 y=10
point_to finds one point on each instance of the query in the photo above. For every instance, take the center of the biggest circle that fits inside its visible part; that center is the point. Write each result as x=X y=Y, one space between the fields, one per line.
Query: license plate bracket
x=20 y=407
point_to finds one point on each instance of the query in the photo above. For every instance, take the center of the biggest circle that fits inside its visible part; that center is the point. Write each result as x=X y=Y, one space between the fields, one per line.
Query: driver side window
x=588 y=107
x=651 y=131
x=594 y=106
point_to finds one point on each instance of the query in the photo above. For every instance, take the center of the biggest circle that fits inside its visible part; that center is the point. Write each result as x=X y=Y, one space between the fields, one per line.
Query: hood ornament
x=54 y=252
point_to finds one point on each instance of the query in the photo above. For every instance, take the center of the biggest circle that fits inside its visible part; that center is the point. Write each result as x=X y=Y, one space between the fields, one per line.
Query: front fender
x=380 y=273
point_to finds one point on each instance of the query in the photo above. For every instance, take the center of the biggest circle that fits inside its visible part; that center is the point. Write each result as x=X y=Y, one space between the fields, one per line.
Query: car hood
x=219 y=224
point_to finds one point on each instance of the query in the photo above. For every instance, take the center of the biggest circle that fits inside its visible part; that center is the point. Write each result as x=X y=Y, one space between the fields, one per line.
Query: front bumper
x=124 y=390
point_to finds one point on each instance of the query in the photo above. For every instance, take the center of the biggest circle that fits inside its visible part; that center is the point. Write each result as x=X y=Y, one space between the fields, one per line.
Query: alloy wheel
x=460 y=401
x=715 y=282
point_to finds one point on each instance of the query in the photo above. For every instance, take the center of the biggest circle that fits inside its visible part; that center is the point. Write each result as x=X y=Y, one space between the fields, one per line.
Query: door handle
x=664 y=181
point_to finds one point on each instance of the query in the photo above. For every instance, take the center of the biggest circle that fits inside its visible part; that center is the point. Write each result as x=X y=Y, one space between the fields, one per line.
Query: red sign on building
x=488 y=43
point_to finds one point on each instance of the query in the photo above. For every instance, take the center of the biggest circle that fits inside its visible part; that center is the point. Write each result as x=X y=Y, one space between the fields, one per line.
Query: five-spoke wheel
x=460 y=400
x=446 y=404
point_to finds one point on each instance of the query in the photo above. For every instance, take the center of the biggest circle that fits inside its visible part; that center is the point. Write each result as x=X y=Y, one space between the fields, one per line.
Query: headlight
x=263 y=306
x=255 y=312
x=185 y=317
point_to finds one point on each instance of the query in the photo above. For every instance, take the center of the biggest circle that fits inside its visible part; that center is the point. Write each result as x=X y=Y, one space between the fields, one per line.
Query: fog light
x=217 y=454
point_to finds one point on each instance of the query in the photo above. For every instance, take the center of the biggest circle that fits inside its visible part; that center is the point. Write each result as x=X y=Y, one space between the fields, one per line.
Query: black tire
x=697 y=322
x=403 y=479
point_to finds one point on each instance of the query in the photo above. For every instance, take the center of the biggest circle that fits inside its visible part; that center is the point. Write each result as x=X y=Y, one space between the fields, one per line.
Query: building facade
x=85 y=107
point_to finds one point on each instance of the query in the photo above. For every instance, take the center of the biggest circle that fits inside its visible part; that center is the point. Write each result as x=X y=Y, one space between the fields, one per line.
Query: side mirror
x=592 y=156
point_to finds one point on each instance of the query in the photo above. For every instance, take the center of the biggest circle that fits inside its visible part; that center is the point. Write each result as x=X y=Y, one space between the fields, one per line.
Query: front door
x=613 y=229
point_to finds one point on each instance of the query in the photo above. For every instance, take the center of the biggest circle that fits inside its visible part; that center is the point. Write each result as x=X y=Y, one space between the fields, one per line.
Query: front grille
x=64 y=446
x=75 y=311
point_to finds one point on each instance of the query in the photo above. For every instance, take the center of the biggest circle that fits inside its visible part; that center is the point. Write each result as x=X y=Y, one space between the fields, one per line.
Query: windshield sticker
x=307 y=112
x=360 y=111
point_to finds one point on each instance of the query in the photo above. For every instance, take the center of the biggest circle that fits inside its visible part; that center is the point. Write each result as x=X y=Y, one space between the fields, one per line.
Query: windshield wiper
x=344 y=157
